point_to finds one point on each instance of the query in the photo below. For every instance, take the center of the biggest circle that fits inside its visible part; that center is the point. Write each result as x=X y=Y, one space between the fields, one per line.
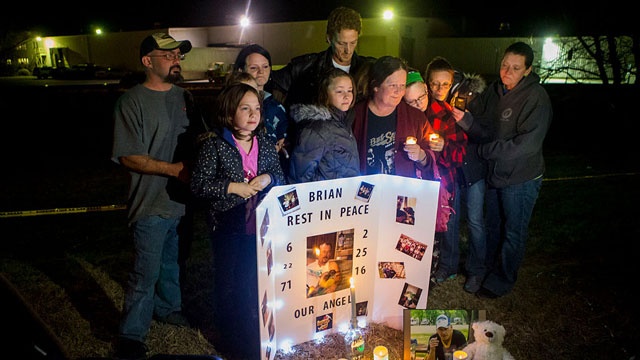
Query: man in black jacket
x=297 y=82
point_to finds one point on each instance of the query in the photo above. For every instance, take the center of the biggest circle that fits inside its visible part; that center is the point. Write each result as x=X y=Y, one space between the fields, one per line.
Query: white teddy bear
x=488 y=342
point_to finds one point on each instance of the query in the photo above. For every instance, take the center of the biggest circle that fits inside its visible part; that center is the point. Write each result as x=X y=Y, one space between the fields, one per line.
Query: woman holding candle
x=440 y=77
x=383 y=122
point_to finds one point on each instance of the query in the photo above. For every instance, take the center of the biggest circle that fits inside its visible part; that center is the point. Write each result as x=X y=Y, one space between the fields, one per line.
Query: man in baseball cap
x=446 y=340
x=152 y=138
x=162 y=41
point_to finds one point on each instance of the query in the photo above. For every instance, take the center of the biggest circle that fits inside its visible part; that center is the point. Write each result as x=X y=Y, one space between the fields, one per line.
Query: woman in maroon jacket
x=383 y=123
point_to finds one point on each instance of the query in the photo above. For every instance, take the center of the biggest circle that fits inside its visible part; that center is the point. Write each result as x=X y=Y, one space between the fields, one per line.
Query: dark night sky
x=475 y=17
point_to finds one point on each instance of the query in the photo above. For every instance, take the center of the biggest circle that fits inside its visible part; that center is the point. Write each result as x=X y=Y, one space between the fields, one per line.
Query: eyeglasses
x=444 y=86
x=417 y=101
x=170 y=56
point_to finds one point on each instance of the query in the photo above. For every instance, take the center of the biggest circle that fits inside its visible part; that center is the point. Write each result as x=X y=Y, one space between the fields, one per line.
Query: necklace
x=446 y=344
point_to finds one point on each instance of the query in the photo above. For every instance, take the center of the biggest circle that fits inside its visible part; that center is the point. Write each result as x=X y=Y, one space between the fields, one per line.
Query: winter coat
x=326 y=147
x=219 y=163
x=300 y=78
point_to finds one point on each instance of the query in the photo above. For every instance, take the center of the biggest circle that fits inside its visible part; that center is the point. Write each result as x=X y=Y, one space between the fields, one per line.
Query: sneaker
x=174 y=318
x=127 y=349
x=441 y=276
x=473 y=284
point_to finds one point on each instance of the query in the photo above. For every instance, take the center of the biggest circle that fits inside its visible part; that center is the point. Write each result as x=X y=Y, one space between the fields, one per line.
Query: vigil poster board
x=381 y=229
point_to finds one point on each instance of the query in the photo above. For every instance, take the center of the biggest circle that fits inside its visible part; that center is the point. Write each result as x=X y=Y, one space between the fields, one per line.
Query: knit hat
x=162 y=41
x=413 y=76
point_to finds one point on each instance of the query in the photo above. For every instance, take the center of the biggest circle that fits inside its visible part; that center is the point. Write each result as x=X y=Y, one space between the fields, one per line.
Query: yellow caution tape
x=75 y=210
x=58 y=211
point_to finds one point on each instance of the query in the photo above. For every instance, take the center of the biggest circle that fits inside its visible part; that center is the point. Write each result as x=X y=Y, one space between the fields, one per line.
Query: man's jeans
x=508 y=209
x=153 y=287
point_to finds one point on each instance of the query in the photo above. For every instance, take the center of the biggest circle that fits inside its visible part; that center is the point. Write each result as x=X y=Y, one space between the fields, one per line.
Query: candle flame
x=459 y=354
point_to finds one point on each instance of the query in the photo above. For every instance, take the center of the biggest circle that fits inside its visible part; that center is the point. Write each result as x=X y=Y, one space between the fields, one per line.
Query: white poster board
x=387 y=223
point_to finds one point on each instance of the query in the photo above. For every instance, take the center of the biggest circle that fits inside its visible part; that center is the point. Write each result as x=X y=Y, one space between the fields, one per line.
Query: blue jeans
x=509 y=211
x=450 y=239
x=153 y=287
x=473 y=199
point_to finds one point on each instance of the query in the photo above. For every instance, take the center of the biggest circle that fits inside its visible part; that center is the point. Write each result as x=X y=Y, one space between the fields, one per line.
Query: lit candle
x=380 y=353
x=354 y=322
x=460 y=355
x=411 y=140
x=433 y=137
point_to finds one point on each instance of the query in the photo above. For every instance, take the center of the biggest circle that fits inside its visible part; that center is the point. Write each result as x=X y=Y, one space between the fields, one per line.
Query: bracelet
x=424 y=158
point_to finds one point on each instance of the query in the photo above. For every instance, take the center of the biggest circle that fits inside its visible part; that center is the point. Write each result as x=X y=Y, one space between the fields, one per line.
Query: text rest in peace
x=299 y=219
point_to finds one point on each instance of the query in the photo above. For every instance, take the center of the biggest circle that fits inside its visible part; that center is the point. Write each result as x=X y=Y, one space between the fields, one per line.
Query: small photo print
x=329 y=262
x=420 y=325
x=265 y=309
x=391 y=270
x=411 y=247
x=405 y=210
x=410 y=296
x=269 y=258
x=361 y=308
x=264 y=226
x=272 y=328
x=324 y=322
x=364 y=191
x=289 y=201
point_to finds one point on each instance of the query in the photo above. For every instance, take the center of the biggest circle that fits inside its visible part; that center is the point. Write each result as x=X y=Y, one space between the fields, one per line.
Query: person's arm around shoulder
x=145 y=164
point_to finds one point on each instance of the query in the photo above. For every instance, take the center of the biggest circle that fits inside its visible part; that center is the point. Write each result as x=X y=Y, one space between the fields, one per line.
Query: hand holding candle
x=436 y=143
x=380 y=353
x=413 y=151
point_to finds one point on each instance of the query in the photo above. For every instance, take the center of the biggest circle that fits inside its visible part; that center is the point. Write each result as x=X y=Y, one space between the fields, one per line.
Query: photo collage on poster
x=319 y=243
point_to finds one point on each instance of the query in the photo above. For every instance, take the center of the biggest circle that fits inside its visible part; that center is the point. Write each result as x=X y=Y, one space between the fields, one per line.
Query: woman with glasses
x=417 y=93
x=440 y=76
x=383 y=122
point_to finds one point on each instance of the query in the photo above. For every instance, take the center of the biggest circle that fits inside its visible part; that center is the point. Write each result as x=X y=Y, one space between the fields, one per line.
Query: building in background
x=417 y=40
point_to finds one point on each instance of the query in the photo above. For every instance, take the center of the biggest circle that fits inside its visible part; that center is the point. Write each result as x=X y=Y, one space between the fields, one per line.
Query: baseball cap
x=442 y=321
x=163 y=41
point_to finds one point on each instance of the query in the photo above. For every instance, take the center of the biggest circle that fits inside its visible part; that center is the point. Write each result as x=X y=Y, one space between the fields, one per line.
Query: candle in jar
x=433 y=136
x=459 y=355
x=411 y=140
x=353 y=299
x=380 y=353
